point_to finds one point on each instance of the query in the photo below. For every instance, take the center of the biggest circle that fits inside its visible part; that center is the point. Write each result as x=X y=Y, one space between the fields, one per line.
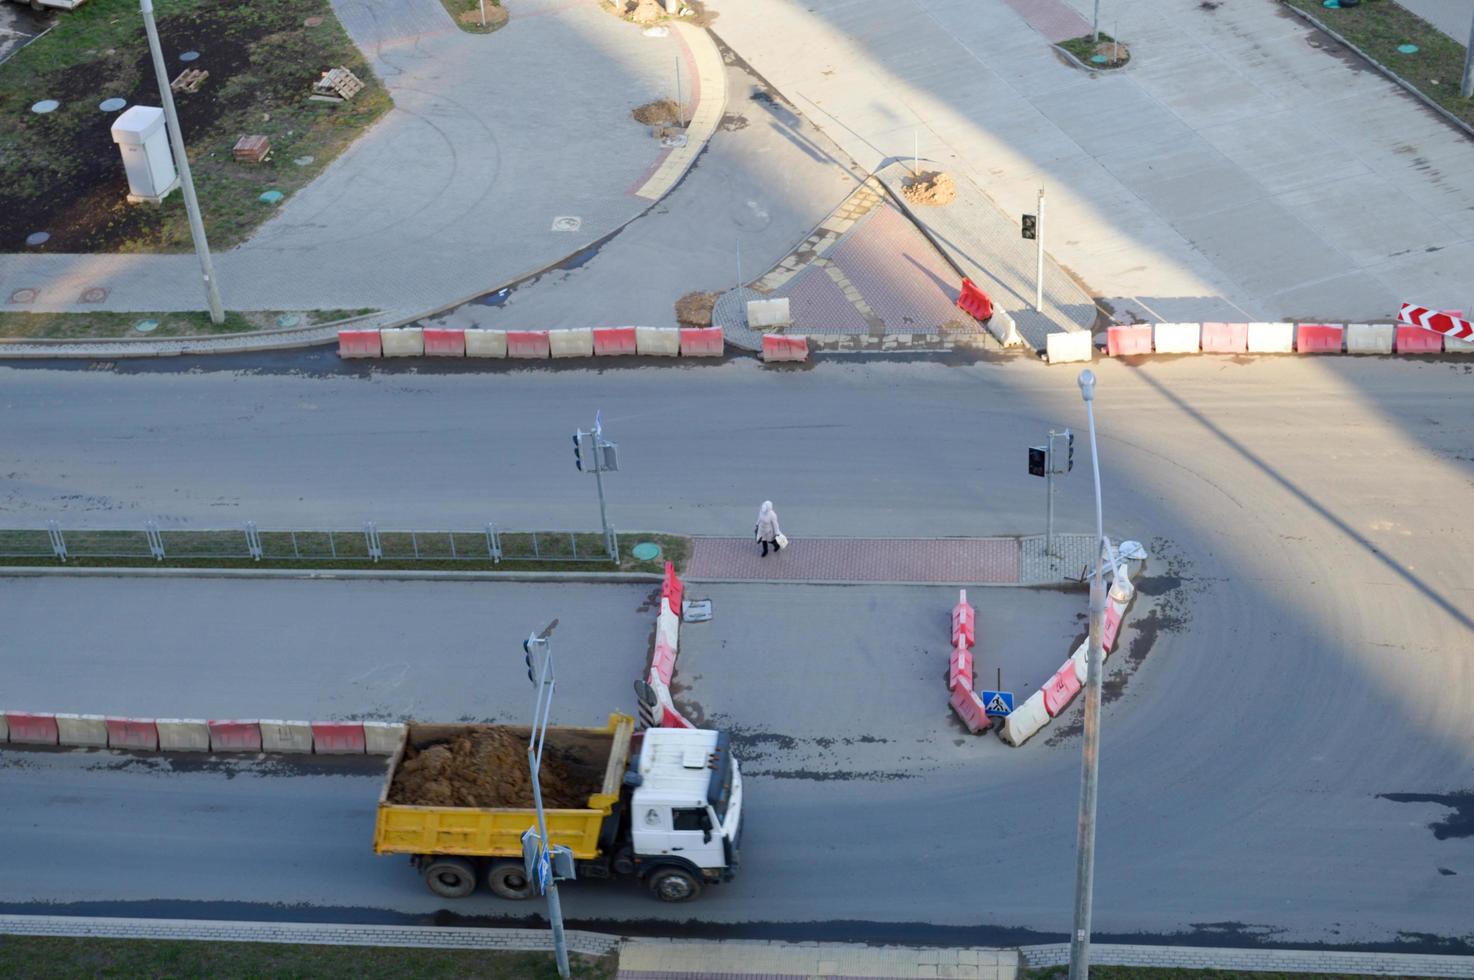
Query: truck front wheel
x=674 y=885
x=451 y=877
x=509 y=880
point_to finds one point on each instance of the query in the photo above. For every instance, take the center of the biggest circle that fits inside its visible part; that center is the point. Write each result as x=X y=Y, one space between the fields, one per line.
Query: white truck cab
x=686 y=810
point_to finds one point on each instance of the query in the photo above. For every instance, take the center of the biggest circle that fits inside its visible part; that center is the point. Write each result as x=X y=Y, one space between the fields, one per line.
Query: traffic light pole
x=1039 y=257
x=541 y=708
x=1049 y=495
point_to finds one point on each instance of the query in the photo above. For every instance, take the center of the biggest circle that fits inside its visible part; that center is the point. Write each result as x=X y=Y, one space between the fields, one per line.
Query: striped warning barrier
x=1450 y=323
x=959 y=669
x=1127 y=341
x=964 y=621
x=663 y=662
x=614 y=341
x=970 y=709
x=444 y=342
x=672 y=589
x=1224 y=338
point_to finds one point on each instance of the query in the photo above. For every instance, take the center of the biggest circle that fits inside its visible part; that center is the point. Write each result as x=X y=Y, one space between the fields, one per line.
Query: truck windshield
x=719 y=789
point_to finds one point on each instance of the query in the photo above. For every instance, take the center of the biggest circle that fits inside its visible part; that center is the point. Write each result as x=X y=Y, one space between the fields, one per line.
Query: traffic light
x=527 y=646
x=1070 y=456
x=578 y=451
x=1037 y=457
x=1031 y=227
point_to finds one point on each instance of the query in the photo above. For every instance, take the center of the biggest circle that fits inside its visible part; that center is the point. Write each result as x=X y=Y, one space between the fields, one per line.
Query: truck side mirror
x=706 y=835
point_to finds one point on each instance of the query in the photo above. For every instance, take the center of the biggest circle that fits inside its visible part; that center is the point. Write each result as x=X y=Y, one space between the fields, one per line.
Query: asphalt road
x=1301 y=647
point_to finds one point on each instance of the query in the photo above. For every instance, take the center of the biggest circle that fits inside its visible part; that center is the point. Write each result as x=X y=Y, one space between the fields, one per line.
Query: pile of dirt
x=694 y=309
x=661 y=112
x=640 y=11
x=930 y=189
x=486 y=767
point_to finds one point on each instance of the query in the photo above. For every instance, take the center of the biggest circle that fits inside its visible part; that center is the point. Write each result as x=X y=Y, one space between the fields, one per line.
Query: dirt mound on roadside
x=661 y=112
x=694 y=309
x=930 y=189
x=486 y=767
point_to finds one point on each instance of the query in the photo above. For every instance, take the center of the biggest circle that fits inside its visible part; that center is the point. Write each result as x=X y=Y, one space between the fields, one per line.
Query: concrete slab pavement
x=478 y=140
x=1166 y=182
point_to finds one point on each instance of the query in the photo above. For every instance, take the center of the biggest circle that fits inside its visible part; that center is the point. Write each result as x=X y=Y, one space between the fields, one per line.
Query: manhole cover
x=190 y=56
x=1333 y=4
x=567 y=223
x=45 y=106
x=304 y=161
x=38 y=238
x=24 y=295
x=271 y=197
x=94 y=294
x=1407 y=49
x=288 y=319
x=671 y=142
x=1099 y=59
x=146 y=326
x=112 y=105
x=646 y=551
x=313 y=22
x=696 y=610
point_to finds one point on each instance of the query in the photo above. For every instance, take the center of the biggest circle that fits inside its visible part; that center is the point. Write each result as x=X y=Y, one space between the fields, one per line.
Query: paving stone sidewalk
x=666 y=959
x=931 y=561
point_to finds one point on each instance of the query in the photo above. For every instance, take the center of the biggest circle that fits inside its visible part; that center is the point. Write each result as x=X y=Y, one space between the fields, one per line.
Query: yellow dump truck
x=667 y=812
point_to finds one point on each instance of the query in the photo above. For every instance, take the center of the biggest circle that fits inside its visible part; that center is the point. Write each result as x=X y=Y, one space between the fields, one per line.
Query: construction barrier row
x=663 y=713
x=196 y=735
x=1056 y=694
x=960 y=668
x=533 y=344
x=1135 y=340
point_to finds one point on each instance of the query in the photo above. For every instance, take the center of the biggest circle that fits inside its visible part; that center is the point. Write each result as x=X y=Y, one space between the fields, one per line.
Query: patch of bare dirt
x=486 y=767
x=694 y=309
x=661 y=112
x=930 y=189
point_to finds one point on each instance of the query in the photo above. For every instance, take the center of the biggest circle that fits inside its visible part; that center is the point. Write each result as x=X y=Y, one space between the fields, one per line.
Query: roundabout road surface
x=1301 y=645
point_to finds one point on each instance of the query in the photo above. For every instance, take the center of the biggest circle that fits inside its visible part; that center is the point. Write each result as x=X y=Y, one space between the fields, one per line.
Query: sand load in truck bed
x=486 y=766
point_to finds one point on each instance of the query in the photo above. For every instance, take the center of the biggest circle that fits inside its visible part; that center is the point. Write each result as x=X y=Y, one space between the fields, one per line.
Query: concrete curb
x=284 y=338
x=1388 y=73
x=1279 y=960
x=28 y=571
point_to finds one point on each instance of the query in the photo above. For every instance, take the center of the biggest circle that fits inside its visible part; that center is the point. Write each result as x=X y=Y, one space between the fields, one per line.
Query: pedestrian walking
x=767 y=530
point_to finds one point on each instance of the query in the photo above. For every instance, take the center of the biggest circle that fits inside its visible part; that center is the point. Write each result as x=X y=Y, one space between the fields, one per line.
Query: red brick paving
x=1055 y=19
x=982 y=561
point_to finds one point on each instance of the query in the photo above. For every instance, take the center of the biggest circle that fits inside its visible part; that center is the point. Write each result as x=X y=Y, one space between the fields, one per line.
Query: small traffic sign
x=998 y=704
x=544 y=872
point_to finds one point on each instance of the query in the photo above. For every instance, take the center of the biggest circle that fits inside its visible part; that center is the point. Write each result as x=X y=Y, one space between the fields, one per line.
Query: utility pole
x=181 y=161
x=1090 y=751
x=1467 y=89
x=1039 y=257
x=539 y=733
x=602 y=455
x=1095 y=24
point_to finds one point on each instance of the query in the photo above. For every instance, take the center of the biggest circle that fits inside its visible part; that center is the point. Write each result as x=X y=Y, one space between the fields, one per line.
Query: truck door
x=695 y=838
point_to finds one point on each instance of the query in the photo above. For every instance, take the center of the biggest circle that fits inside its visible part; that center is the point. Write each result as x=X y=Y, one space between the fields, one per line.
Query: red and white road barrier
x=963 y=699
x=198 y=735
x=1319 y=338
x=663 y=657
x=1224 y=338
x=537 y=344
x=964 y=621
x=1449 y=323
x=777 y=347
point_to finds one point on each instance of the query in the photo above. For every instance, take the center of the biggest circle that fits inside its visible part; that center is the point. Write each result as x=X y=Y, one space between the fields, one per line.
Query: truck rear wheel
x=450 y=877
x=509 y=880
x=674 y=885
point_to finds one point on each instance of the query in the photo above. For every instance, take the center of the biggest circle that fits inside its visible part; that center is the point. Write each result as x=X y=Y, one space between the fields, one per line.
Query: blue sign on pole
x=544 y=872
x=998 y=704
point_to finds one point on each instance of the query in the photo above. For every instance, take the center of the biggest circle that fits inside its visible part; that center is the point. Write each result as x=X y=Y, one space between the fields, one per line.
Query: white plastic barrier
x=1370 y=338
x=1062 y=347
x=658 y=341
x=1004 y=330
x=4 y=728
x=286 y=736
x=1271 y=338
x=1176 y=338
x=486 y=343
x=1081 y=659
x=90 y=730
x=577 y=342
x=1453 y=345
x=403 y=341
x=382 y=737
x=668 y=625
x=1025 y=720
x=183 y=735
x=765 y=313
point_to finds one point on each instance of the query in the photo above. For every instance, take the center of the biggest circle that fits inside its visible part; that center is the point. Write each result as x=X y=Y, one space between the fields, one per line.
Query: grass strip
x=460 y=551
x=104 y=324
x=60 y=958
x=1381 y=27
x=1176 y=973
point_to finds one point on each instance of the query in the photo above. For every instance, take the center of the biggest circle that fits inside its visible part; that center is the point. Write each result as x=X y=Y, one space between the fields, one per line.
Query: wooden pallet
x=253 y=149
x=336 y=85
x=189 y=80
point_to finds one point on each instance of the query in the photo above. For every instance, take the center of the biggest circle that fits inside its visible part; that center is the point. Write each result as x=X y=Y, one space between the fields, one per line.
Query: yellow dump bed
x=486 y=832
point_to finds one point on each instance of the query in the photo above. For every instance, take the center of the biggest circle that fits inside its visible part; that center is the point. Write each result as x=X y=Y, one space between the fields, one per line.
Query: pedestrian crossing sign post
x=998 y=704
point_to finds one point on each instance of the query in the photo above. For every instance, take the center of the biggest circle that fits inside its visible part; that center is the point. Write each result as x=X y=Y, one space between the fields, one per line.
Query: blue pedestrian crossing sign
x=998 y=704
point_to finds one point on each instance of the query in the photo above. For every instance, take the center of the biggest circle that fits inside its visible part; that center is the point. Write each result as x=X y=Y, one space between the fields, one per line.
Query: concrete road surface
x=1304 y=650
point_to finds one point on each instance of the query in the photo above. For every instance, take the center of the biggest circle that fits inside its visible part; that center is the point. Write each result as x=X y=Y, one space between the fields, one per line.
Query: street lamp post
x=541 y=708
x=1467 y=89
x=181 y=162
x=1090 y=752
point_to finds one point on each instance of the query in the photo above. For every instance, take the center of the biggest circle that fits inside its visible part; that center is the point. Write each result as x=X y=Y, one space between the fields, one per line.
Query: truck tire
x=670 y=884
x=509 y=880
x=450 y=877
